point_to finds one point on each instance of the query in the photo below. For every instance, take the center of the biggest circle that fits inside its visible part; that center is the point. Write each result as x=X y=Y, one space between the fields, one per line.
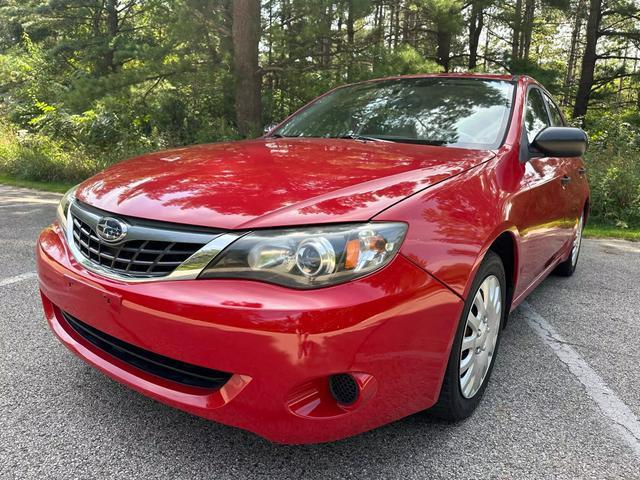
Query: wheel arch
x=506 y=247
x=586 y=210
x=505 y=244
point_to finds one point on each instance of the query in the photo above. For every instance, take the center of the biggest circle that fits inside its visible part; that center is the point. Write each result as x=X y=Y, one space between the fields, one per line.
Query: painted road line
x=620 y=415
x=14 y=201
x=22 y=206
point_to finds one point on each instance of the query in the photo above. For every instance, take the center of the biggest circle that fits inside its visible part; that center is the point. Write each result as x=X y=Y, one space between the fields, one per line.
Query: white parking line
x=18 y=206
x=17 y=278
x=622 y=418
x=28 y=200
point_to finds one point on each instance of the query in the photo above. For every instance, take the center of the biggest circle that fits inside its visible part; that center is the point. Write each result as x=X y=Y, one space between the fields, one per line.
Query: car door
x=545 y=232
x=574 y=173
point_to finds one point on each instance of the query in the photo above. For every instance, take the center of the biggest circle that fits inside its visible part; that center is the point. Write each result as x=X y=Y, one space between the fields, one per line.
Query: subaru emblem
x=111 y=230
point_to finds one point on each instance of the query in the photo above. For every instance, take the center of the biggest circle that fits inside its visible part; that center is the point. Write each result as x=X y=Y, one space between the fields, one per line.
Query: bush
x=613 y=162
x=57 y=145
x=35 y=156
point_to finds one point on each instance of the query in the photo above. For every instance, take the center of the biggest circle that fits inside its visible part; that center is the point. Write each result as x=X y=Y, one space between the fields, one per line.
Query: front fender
x=453 y=224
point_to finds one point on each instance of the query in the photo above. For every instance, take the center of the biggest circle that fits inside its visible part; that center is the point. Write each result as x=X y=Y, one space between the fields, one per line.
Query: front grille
x=135 y=257
x=158 y=365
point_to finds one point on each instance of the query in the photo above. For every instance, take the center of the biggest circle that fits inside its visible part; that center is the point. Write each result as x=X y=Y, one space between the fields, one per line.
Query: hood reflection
x=273 y=182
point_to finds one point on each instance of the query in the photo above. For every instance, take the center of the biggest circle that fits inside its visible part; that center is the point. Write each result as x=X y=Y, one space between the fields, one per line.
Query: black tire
x=452 y=406
x=566 y=268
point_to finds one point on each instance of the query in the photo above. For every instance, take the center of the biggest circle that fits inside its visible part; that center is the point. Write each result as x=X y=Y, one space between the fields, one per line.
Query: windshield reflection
x=460 y=112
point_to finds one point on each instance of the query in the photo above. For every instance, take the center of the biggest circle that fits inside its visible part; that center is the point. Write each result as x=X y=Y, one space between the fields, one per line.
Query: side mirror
x=561 y=141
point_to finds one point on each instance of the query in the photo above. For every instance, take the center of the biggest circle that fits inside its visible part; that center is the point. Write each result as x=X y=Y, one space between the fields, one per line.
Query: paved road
x=559 y=406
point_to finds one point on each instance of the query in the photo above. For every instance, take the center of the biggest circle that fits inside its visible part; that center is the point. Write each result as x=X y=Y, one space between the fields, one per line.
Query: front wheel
x=476 y=343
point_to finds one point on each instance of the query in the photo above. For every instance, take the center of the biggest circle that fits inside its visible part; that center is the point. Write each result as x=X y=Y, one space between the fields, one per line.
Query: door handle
x=566 y=180
x=582 y=172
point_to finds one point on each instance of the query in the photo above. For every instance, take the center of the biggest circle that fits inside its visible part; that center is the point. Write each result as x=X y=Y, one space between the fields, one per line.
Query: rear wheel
x=567 y=267
x=476 y=343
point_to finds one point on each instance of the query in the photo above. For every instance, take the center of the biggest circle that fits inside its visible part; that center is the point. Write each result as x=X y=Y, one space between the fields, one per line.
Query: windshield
x=457 y=112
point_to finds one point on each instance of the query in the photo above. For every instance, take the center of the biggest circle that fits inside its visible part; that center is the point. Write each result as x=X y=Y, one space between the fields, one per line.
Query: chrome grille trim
x=136 y=231
x=134 y=257
x=212 y=245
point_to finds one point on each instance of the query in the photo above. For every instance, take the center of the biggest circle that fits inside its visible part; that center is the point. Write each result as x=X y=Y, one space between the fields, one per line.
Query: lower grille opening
x=158 y=365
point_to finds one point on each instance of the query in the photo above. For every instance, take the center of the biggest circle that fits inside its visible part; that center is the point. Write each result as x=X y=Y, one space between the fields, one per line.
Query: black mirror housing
x=561 y=142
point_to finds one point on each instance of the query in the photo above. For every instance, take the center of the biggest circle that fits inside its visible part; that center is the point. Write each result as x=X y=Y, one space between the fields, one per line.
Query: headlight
x=309 y=257
x=63 y=206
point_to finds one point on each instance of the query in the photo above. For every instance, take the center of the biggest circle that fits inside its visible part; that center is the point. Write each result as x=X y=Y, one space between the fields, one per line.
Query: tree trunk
x=106 y=63
x=350 y=39
x=443 y=52
x=396 y=35
x=573 y=51
x=527 y=29
x=515 y=45
x=621 y=80
x=588 y=59
x=379 y=23
x=350 y=29
x=270 y=51
x=476 y=24
x=392 y=12
x=408 y=34
x=326 y=39
x=246 y=35
x=485 y=54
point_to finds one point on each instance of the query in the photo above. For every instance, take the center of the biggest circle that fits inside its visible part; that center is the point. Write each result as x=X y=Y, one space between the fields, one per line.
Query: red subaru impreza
x=353 y=266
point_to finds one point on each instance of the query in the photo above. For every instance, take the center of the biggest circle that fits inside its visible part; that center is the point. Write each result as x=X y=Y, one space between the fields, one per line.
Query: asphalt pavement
x=563 y=402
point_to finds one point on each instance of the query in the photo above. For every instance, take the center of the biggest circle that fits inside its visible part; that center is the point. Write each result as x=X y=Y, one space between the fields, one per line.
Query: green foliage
x=547 y=74
x=403 y=61
x=613 y=163
x=35 y=156
x=83 y=85
x=58 y=187
x=599 y=231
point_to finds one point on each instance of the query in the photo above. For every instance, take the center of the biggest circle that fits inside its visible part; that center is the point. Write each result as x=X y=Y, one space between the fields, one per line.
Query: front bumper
x=393 y=330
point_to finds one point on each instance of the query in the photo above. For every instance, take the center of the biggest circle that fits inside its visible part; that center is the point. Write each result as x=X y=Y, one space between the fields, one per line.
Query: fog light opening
x=344 y=388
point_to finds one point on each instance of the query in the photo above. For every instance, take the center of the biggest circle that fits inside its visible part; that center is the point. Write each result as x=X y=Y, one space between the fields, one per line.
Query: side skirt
x=544 y=274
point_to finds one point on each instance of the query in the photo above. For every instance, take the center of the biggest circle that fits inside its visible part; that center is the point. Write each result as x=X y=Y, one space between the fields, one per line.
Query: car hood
x=273 y=182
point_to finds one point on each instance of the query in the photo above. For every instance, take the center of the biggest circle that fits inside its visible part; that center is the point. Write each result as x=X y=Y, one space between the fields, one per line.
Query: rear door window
x=556 y=117
x=536 y=117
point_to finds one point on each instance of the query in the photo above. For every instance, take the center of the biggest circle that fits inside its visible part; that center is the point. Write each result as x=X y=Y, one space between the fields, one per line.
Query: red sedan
x=353 y=266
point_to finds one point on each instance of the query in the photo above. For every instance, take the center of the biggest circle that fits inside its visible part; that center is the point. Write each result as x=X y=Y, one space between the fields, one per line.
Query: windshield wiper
x=355 y=136
x=418 y=141
x=432 y=142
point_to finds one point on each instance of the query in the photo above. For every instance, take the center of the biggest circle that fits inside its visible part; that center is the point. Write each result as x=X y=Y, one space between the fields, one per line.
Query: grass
x=591 y=231
x=58 y=187
x=603 y=231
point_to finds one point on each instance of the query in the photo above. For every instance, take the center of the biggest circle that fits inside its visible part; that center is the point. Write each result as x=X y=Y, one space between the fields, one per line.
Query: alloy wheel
x=480 y=336
x=577 y=240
